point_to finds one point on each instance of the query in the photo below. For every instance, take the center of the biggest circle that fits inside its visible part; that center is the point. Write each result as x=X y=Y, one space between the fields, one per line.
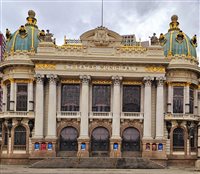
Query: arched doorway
x=131 y=142
x=68 y=140
x=20 y=138
x=178 y=139
x=100 y=142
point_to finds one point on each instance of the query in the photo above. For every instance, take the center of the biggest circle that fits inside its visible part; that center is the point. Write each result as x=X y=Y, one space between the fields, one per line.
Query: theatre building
x=104 y=95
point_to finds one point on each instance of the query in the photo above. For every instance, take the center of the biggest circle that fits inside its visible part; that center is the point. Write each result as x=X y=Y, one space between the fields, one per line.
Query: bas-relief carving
x=45 y=66
x=155 y=69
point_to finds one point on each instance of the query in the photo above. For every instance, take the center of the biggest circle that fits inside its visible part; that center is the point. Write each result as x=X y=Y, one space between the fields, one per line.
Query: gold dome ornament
x=31 y=20
x=174 y=24
x=162 y=39
x=194 y=40
x=8 y=34
x=180 y=37
x=22 y=31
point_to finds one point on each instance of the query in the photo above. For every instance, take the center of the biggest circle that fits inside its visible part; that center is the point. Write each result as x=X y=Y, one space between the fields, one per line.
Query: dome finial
x=31 y=20
x=174 y=23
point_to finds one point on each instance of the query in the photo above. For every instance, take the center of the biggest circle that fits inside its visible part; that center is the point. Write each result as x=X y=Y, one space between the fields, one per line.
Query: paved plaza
x=11 y=169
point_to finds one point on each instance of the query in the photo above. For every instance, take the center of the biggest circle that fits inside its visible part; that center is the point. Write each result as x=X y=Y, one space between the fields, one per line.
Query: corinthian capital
x=39 y=78
x=116 y=80
x=85 y=79
x=148 y=80
x=160 y=80
x=52 y=78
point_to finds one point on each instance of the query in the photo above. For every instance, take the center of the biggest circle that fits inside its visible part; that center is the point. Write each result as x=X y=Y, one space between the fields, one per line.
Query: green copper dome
x=177 y=43
x=26 y=38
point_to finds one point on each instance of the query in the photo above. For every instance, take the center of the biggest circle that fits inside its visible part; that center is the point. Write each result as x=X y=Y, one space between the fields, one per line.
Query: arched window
x=20 y=138
x=131 y=139
x=178 y=139
x=100 y=139
x=68 y=139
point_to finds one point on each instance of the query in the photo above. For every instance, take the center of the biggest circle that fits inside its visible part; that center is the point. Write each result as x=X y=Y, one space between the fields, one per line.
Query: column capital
x=39 y=78
x=116 y=80
x=85 y=79
x=52 y=78
x=160 y=80
x=148 y=80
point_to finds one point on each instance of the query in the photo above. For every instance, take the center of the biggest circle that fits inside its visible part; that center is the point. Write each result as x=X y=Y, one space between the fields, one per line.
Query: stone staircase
x=97 y=162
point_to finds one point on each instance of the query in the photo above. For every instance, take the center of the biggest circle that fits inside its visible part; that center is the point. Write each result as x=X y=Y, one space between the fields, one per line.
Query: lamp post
x=9 y=126
x=31 y=126
x=168 y=126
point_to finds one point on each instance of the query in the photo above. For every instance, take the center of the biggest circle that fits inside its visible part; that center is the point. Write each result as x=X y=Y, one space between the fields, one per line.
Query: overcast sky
x=74 y=17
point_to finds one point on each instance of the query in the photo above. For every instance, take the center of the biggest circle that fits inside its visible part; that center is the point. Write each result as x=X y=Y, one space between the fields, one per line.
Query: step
x=97 y=162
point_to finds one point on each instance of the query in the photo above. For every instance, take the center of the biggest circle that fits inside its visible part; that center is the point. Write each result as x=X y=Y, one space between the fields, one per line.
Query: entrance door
x=68 y=139
x=100 y=142
x=131 y=141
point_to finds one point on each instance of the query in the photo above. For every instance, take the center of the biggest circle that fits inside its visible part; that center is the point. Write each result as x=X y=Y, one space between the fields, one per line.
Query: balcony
x=181 y=116
x=132 y=115
x=101 y=115
x=68 y=114
x=17 y=114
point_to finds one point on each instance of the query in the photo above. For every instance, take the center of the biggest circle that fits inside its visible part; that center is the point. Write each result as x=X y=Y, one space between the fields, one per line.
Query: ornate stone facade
x=131 y=100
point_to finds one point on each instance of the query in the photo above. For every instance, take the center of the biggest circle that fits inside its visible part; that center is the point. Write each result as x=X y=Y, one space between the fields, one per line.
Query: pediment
x=101 y=37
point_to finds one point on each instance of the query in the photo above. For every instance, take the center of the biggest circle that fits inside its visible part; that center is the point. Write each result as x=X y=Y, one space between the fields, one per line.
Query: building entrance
x=100 y=142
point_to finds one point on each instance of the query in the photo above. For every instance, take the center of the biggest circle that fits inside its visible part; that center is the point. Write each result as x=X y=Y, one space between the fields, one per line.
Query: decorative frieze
x=160 y=69
x=106 y=82
x=132 y=83
x=71 y=81
x=44 y=66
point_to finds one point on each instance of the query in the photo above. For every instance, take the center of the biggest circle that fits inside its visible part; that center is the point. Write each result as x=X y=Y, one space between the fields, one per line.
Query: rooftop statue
x=154 y=39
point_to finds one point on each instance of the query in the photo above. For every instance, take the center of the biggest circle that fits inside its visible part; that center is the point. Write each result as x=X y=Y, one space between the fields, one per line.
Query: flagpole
x=102 y=13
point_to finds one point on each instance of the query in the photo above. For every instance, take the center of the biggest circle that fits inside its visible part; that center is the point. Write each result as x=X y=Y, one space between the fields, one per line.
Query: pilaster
x=187 y=98
x=39 y=106
x=115 y=140
x=83 y=140
x=12 y=94
x=51 y=130
x=147 y=107
x=169 y=98
x=30 y=96
x=160 y=108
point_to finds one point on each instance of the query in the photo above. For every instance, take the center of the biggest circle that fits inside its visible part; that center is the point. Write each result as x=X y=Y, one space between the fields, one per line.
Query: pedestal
x=83 y=147
x=197 y=165
x=154 y=149
x=43 y=147
x=115 y=147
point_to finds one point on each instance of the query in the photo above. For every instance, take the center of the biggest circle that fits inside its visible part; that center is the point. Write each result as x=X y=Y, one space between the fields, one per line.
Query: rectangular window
x=131 y=98
x=101 y=95
x=8 y=97
x=22 y=97
x=178 y=96
x=70 y=97
x=191 y=111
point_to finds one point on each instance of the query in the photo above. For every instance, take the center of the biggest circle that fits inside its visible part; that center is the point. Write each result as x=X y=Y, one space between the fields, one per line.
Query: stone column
x=169 y=98
x=197 y=164
x=196 y=101
x=30 y=96
x=147 y=107
x=39 y=107
x=12 y=94
x=51 y=130
x=4 y=88
x=116 y=138
x=160 y=108
x=84 y=137
x=187 y=98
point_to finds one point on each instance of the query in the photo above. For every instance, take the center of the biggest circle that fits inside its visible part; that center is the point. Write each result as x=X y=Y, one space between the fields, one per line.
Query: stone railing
x=100 y=115
x=68 y=114
x=132 y=115
x=15 y=114
x=181 y=116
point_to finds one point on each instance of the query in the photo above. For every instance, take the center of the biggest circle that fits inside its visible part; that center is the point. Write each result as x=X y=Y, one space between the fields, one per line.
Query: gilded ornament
x=71 y=81
x=45 y=66
x=102 y=82
x=132 y=83
x=155 y=69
